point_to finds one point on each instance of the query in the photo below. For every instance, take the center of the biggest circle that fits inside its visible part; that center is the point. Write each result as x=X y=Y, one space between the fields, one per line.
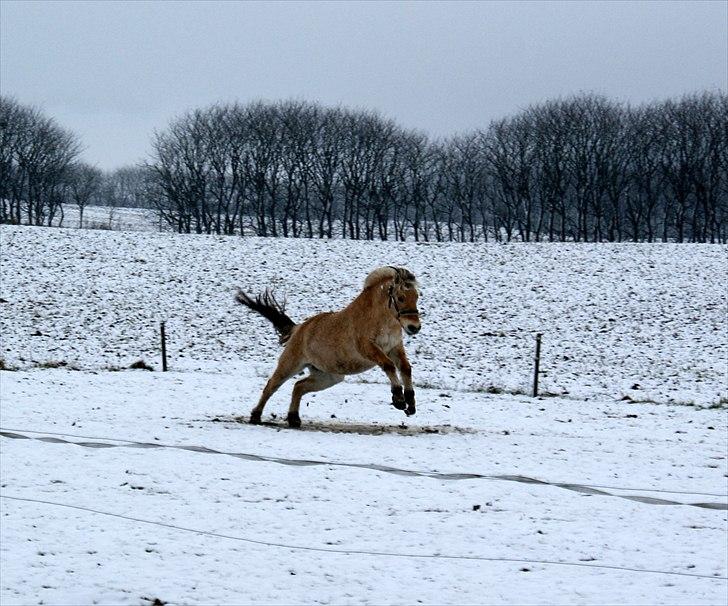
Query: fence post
x=536 y=364
x=164 y=346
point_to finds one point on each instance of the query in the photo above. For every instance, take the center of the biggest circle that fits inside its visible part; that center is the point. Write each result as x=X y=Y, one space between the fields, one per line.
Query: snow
x=646 y=322
x=96 y=298
x=112 y=218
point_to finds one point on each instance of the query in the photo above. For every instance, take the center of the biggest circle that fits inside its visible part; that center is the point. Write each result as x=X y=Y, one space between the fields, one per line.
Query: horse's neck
x=374 y=295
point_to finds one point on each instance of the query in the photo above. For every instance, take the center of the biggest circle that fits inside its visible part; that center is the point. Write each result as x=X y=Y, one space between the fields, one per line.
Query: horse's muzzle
x=412 y=329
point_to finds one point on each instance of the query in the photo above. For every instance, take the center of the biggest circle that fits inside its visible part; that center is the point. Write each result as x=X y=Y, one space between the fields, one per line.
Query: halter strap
x=400 y=312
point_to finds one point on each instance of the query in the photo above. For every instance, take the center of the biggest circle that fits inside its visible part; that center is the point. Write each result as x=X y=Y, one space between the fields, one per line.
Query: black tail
x=268 y=307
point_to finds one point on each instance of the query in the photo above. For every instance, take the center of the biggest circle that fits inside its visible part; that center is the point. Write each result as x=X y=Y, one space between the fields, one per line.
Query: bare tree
x=84 y=185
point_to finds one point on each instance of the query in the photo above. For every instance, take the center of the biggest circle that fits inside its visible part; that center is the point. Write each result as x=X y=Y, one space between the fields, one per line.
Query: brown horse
x=366 y=333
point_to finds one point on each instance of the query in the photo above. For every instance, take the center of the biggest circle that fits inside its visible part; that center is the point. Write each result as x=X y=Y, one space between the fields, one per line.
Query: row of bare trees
x=582 y=168
x=579 y=169
x=38 y=162
x=41 y=174
x=586 y=168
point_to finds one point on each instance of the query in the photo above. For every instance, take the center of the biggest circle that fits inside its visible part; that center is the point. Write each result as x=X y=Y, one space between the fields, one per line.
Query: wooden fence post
x=164 y=346
x=536 y=364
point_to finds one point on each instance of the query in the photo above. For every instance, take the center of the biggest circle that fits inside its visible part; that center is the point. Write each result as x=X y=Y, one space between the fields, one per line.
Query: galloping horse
x=366 y=333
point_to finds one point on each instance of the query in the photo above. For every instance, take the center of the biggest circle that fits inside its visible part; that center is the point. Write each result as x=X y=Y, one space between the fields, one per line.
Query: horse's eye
x=400 y=299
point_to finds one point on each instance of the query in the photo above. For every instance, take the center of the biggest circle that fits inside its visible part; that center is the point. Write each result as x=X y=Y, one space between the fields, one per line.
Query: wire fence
x=364 y=552
x=19 y=434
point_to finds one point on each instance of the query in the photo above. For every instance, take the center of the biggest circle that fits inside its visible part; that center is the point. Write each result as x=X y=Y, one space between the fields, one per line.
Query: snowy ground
x=630 y=504
x=646 y=322
x=70 y=556
x=112 y=218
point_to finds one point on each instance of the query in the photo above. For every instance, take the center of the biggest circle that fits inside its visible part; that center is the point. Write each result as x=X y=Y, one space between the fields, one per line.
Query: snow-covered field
x=632 y=333
x=112 y=218
x=647 y=322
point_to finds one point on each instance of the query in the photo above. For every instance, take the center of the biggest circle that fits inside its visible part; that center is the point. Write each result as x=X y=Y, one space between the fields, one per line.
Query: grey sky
x=114 y=71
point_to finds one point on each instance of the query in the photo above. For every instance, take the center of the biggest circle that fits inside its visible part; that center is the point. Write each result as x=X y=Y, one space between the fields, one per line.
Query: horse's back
x=328 y=327
x=327 y=342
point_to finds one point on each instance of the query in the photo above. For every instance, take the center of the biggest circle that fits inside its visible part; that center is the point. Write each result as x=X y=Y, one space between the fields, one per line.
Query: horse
x=331 y=345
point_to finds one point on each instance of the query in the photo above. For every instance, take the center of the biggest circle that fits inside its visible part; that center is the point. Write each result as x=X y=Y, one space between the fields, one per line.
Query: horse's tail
x=268 y=307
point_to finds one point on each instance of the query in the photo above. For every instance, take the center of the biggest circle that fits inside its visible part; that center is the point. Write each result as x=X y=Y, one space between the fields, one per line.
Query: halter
x=400 y=312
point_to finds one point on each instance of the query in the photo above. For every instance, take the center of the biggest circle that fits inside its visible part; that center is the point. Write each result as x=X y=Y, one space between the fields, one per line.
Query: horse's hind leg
x=288 y=365
x=316 y=381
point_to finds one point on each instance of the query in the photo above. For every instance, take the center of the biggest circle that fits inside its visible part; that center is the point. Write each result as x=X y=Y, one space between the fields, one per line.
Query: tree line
x=41 y=173
x=582 y=168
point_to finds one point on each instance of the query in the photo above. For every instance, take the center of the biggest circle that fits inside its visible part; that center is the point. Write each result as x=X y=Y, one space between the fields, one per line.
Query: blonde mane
x=386 y=272
x=378 y=275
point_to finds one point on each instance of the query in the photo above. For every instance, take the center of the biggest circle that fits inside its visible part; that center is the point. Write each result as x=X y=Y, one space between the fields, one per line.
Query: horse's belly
x=341 y=366
x=351 y=367
x=328 y=361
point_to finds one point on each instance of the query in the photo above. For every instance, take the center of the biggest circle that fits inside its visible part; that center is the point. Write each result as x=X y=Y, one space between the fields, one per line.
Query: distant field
x=117 y=219
x=634 y=321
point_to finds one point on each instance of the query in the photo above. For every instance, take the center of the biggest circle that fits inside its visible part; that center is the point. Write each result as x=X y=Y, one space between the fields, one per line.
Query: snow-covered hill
x=647 y=322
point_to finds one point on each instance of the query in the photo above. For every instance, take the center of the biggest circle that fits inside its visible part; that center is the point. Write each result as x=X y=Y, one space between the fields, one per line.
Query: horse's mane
x=388 y=271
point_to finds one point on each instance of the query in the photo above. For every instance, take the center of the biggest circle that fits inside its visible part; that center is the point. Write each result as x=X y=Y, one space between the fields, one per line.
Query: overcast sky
x=114 y=71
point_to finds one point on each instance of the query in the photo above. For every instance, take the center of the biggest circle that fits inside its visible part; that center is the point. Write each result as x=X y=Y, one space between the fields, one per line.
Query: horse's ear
x=397 y=274
x=406 y=277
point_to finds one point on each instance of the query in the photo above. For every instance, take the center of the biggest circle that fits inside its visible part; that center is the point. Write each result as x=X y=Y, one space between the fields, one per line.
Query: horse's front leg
x=399 y=356
x=374 y=353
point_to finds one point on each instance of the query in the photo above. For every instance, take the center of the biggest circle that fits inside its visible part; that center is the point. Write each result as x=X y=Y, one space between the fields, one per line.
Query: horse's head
x=403 y=296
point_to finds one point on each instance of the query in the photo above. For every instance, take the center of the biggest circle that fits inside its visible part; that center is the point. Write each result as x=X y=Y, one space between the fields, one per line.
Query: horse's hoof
x=254 y=419
x=294 y=421
x=409 y=397
x=398 y=400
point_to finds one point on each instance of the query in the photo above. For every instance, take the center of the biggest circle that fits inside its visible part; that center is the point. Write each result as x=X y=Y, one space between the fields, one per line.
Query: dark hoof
x=254 y=419
x=398 y=400
x=409 y=397
x=294 y=421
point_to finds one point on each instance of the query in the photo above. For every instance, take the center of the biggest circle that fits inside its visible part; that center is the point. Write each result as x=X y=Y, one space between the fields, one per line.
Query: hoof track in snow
x=358 y=428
